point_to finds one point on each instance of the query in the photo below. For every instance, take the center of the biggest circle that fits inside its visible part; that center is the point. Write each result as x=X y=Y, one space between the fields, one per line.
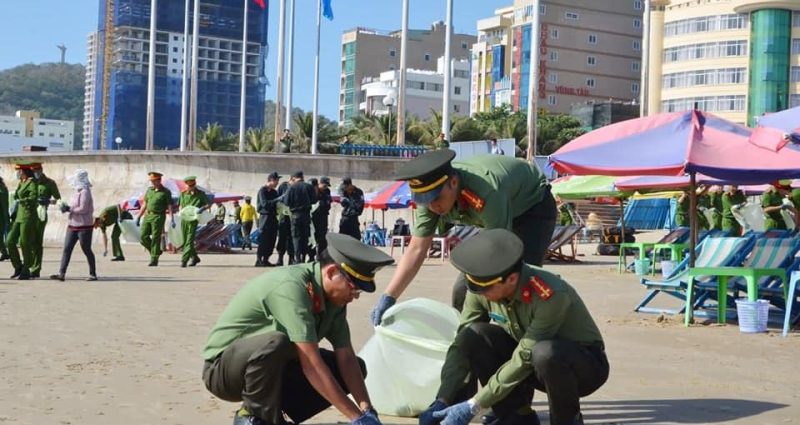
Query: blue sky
x=32 y=29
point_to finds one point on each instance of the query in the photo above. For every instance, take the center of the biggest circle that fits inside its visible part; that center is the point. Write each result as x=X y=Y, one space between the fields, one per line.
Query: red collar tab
x=316 y=301
x=543 y=290
x=469 y=197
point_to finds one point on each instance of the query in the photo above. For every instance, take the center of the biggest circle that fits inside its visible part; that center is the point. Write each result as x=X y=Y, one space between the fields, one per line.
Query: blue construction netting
x=650 y=214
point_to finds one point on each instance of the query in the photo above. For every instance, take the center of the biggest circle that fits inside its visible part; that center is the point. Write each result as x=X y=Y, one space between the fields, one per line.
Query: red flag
x=260 y=3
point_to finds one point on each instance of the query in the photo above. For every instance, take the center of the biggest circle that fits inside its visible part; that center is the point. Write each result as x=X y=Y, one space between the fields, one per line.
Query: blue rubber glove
x=383 y=304
x=138 y=221
x=173 y=224
x=457 y=414
x=426 y=417
x=366 y=419
x=373 y=412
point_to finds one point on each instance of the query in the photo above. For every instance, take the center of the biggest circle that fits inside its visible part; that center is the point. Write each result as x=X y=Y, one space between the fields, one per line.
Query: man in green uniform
x=522 y=328
x=48 y=193
x=112 y=216
x=703 y=204
x=219 y=213
x=715 y=196
x=191 y=197
x=24 y=223
x=772 y=203
x=732 y=199
x=682 y=210
x=4 y=220
x=488 y=191
x=264 y=350
x=157 y=204
x=564 y=215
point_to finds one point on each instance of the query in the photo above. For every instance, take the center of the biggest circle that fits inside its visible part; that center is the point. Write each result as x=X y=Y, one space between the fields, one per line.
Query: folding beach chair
x=712 y=252
x=568 y=236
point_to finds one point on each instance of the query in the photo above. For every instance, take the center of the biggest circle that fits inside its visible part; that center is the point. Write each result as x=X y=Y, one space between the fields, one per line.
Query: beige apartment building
x=589 y=50
x=738 y=59
x=367 y=53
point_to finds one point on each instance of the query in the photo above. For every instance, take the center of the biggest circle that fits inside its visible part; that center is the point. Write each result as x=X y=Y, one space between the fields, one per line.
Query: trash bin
x=667 y=267
x=752 y=315
x=405 y=356
x=641 y=267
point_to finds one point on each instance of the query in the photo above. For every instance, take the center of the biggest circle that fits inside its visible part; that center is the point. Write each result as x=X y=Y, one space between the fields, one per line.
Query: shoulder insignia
x=472 y=199
x=316 y=302
x=543 y=290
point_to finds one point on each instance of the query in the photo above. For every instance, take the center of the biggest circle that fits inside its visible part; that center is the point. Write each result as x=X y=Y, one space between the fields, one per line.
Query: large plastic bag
x=174 y=234
x=405 y=356
x=189 y=213
x=750 y=216
x=131 y=233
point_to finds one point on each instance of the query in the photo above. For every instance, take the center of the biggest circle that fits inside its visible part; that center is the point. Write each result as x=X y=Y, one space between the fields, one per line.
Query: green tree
x=554 y=130
x=213 y=138
x=258 y=140
x=327 y=131
x=374 y=129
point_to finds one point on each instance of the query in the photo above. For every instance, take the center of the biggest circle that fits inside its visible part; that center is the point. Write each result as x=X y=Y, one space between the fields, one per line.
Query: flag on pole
x=261 y=3
x=327 y=11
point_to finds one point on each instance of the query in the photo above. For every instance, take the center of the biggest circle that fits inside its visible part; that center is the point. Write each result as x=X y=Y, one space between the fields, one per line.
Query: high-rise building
x=116 y=89
x=588 y=50
x=738 y=59
x=366 y=53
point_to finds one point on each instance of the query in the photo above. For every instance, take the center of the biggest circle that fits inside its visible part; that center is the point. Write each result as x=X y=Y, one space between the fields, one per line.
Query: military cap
x=297 y=175
x=325 y=180
x=426 y=174
x=36 y=165
x=487 y=258
x=188 y=179
x=19 y=165
x=358 y=261
x=155 y=175
x=274 y=176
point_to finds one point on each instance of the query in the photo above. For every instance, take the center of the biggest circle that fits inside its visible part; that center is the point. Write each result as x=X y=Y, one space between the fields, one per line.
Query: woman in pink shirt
x=81 y=224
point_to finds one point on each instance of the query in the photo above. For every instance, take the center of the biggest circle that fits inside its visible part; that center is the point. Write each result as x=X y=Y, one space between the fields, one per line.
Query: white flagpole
x=195 y=56
x=290 y=71
x=243 y=100
x=401 y=94
x=151 y=78
x=315 y=113
x=279 y=76
x=533 y=81
x=185 y=76
x=645 y=64
x=447 y=72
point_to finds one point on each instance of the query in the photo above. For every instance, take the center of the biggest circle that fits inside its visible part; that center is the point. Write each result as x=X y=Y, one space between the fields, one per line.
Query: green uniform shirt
x=682 y=212
x=48 y=188
x=4 y=219
x=197 y=199
x=27 y=197
x=528 y=319
x=505 y=188
x=796 y=198
x=728 y=201
x=288 y=300
x=158 y=200
x=773 y=198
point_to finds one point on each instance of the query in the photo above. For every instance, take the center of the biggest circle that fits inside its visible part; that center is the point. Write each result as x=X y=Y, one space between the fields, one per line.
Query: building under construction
x=117 y=68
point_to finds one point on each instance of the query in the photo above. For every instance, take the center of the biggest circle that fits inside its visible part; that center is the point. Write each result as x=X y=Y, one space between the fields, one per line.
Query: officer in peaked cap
x=157 y=204
x=486 y=191
x=267 y=207
x=264 y=350
x=47 y=191
x=191 y=197
x=522 y=328
x=22 y=233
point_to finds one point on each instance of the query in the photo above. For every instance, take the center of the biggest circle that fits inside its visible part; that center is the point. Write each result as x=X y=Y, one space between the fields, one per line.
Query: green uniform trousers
x=22 y=234
x=116 y=247
x=263 y=372
x=188 y=228
x=732 y=226
x=770 y=224
x=152 y=229
x=4 y=228
x=37 y=246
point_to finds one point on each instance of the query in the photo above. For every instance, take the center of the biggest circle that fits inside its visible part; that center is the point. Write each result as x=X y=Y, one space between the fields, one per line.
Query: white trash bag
x=405 y=356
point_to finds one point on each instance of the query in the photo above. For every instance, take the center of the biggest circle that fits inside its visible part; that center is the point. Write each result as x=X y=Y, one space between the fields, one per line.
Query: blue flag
x=327 y=11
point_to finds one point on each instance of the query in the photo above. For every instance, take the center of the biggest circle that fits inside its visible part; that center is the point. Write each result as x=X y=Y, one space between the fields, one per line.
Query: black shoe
x=268 y=264
x=118 y=259
x=24 y=275
x=279 y=263
x=153 y=263
x=34 y=275
x=16 y=274
x=194 y=262
x=4 y=257
x=183 y=264
x=512 y=419
x=58 y=276
x=91 y=278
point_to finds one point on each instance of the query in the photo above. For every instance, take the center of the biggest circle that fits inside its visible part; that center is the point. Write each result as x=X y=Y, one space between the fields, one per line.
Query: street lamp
x=118 y=141
x=388 y=101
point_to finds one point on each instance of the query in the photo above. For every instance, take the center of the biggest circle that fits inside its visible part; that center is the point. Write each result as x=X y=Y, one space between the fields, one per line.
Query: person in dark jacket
x=352 y=206
x=266 y=205
x=299 y=198
x=320 y=215
x=285 y=245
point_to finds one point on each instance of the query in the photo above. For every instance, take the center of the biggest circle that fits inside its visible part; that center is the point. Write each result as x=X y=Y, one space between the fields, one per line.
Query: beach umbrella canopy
x=394 y=195
x=779 y=124
x=581 y=187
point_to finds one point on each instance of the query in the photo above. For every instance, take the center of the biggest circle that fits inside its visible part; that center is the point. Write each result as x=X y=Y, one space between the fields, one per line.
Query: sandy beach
x=126 y=350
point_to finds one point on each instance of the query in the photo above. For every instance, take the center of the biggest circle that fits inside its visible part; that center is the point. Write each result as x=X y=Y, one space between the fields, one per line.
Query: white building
x=89 y=99
x=27 y=130
x=424 y=90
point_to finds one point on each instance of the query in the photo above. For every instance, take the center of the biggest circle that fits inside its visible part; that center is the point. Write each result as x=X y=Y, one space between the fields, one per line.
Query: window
x=637 y=4
x=571 y=16
x=427 y=57
x=457 y=90
x=592 y=39
x=456 y=108
x=174 y=60
x=551 y=100
x=795 y=74
x=796 y=19
x=554 y=33
x=464 y=45
x=637 y=23
x=637 y=45
x=706 y=24
x=554 y=55
x=591 y=60
x=175 y=37
x=543 y=9
x=706 y=50
x=175 y=49
x=590 y=82
x=796 y=46
x=794 y=100
x=634 y=87
x=552 y=77
x=418 y=85
x=635 y=66
x=392 y=52
x=730 y=103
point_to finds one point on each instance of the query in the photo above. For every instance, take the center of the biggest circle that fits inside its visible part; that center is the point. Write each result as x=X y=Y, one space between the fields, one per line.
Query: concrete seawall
x=117 y=175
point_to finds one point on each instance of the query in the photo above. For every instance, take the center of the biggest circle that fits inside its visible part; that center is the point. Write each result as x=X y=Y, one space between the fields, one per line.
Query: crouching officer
x=522 y=328
x=264 y=350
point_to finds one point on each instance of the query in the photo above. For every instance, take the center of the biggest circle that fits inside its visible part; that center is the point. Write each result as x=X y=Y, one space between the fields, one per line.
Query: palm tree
x=258 y=140
x=214 y=138
x=374 y=128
